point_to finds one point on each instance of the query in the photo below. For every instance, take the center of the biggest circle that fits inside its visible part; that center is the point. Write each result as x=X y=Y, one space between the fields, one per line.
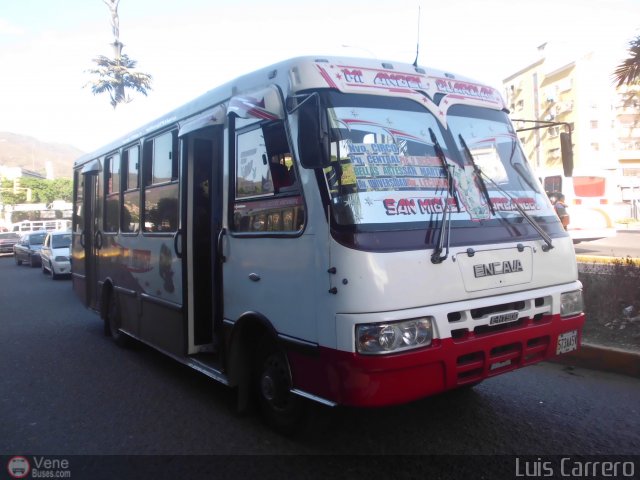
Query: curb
x=582 y=258
x=606 y=359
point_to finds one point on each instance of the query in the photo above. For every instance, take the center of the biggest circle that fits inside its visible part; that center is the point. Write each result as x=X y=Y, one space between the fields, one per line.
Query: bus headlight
x=382 y=338
x=571 y=303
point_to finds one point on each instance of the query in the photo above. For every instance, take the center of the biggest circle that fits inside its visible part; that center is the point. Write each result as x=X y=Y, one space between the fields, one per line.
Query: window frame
x=110 y=191
x=295 y=196
x=147 y=186
x=125 y=190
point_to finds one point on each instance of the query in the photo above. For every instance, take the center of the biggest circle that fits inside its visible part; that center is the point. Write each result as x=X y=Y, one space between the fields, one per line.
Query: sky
x=191 y=46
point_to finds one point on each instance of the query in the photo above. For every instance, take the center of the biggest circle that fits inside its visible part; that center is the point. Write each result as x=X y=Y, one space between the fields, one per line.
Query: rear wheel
x=113 y=321
x=280 y=408
x=18 y=261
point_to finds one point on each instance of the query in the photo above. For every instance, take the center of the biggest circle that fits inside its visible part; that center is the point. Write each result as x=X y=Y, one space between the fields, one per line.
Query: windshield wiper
x=478 y=172
x=536 y=226
x=445 y=229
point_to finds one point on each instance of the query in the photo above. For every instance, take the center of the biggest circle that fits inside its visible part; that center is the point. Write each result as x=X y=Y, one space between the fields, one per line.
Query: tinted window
x=268 y=196
x=37 y=239
x=161 y=208
x=161 y=177
x=112 y=195
x=61 y=241
x=130 y=219
x=161 y=159
x=78 y=209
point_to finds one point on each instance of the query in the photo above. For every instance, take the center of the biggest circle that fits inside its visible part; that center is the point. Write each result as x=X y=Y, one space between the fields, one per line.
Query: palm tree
x=628 y=72
x=116 y=75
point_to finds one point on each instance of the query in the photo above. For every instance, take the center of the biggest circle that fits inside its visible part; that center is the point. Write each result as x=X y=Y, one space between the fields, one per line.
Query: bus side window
x=112 y=193
x=267 y=194
x=161 y=194
x=78 y=212
x=130 y=217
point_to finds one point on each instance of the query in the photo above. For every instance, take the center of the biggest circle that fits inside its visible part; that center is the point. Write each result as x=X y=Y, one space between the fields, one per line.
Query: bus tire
x=113 y=321
x=281 y=409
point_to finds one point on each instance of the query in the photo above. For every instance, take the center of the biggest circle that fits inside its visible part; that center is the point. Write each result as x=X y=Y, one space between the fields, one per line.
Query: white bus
x=320 y=230
x=35 y=225
x=590 y=197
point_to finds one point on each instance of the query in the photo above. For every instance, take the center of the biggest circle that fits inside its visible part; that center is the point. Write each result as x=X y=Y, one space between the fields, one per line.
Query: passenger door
x=85 y=230
x=202 y=147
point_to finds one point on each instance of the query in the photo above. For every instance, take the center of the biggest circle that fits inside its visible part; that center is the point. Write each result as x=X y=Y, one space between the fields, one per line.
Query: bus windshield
x=386 y=174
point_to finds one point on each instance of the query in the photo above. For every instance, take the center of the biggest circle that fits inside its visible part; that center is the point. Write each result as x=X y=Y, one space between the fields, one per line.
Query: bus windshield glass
x=386 y=172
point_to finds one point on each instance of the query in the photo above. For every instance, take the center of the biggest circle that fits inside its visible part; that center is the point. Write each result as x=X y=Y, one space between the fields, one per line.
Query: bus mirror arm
x=566 y=144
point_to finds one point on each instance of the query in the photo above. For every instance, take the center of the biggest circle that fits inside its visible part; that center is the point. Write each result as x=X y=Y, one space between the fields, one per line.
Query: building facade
x=577 y=91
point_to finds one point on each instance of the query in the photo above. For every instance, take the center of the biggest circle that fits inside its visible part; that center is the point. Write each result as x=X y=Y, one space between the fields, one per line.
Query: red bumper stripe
x=377 y=380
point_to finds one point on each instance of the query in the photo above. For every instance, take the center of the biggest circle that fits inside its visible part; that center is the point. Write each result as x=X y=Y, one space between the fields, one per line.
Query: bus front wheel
x=281 y=409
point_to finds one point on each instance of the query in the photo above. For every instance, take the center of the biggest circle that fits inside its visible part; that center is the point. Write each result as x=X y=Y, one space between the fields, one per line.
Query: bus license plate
x=504 y=318
x=567 y=342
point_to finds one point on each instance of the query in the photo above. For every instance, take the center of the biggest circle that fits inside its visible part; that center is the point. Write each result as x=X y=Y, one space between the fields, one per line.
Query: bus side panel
x=115 y=267
x=163 y=326
x=276 y=278
x=157 y=274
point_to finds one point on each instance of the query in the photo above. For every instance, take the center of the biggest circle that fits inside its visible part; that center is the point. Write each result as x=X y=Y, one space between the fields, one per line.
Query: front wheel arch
x=259 y=366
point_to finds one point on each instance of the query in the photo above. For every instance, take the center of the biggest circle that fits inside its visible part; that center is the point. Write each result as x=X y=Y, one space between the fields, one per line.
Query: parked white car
x=55 y=254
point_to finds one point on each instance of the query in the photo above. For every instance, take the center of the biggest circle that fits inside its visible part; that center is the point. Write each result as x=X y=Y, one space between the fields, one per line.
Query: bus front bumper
x=353 y=379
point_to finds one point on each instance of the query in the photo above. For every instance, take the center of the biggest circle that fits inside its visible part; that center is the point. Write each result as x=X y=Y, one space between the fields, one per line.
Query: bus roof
x=347 y=74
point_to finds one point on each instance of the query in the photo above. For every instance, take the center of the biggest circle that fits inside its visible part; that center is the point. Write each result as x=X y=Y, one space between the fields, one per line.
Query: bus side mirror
x=313 y=135
x=566 y=149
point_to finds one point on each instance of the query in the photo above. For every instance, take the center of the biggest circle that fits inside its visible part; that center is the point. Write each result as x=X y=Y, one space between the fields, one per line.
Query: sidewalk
x=607 y=359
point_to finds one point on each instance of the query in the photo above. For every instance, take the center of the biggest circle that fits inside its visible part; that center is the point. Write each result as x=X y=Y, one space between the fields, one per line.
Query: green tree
x=115 y=76
x=42 y=191
x=9 y=197
x=46 y=191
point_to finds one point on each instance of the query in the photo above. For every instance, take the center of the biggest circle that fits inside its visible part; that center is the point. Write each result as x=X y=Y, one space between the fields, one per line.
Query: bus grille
x=474 y=323
x=473 y=367
x=467 y=325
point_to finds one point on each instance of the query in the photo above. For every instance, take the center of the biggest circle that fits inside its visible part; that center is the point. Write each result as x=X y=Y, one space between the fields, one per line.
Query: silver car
x=54 y=254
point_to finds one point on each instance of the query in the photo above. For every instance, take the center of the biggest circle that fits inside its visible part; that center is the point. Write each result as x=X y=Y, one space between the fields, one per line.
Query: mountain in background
x=33 y=154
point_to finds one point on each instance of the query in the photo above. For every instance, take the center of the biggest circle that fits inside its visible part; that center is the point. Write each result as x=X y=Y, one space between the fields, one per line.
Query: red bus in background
x=591 y=199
